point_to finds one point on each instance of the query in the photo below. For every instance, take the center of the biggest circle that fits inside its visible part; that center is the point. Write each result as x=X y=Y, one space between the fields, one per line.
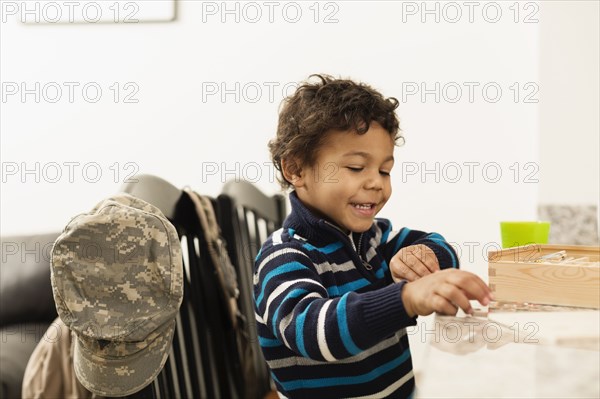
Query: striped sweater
x=330 y=319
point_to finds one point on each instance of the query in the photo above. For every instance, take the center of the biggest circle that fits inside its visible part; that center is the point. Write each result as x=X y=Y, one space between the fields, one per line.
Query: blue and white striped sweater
x=330 y=320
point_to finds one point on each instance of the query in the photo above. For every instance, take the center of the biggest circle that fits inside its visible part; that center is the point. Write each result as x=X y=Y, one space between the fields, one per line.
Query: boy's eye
x=355 y=168
x=385 y=173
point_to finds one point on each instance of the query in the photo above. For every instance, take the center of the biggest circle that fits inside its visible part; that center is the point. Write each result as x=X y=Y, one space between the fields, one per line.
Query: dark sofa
x=26 y=304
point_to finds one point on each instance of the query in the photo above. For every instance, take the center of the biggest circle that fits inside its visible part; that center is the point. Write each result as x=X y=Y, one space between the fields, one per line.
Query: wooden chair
x=247 y=217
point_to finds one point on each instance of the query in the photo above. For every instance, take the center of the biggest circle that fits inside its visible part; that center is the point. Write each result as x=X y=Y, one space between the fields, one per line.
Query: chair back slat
x=248 y=216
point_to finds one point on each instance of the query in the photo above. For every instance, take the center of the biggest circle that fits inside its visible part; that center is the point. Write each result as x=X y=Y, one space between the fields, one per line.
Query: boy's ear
x=292 y=172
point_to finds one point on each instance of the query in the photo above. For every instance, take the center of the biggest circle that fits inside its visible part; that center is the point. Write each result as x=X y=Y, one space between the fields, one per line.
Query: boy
x=335 y=288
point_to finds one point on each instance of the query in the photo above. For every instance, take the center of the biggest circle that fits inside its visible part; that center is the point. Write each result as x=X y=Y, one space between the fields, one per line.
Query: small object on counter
x=555 y=256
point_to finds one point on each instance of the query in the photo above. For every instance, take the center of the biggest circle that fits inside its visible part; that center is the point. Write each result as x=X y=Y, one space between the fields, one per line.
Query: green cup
x=516 y=234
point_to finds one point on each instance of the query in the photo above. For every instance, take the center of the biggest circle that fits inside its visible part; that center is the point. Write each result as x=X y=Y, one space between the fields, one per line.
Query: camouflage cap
x=117 y=280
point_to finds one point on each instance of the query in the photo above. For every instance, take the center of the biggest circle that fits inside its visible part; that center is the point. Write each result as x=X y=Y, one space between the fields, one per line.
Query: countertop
x=510 y=351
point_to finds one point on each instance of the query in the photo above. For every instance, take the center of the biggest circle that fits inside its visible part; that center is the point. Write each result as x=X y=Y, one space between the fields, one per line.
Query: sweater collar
x=308 y=225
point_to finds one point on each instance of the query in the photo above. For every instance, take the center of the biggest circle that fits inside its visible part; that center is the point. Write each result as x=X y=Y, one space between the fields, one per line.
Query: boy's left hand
x=413 y=262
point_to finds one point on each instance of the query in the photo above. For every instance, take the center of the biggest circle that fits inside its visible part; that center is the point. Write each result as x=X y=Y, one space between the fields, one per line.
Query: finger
x=483 y=285
x=485 y=288
x=401 y=270
x=473 y=286
x=480 y=295
x=443 y=306
x=456 y=296
x=411 y=258
x=428 y=258
x=479 y=288
x=414 y=262
x=476 y=293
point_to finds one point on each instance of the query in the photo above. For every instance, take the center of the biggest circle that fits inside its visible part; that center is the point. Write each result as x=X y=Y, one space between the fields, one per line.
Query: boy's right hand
x=444 y=292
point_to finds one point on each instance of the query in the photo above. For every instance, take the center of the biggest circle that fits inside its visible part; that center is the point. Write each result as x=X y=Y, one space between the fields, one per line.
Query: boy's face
x=350 y=180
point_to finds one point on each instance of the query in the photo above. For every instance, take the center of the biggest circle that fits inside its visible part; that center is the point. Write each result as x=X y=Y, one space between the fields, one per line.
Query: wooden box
x=519 y=275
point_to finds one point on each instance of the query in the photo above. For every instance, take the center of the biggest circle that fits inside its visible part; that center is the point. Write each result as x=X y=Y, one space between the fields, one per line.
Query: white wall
x=177 y=134
x=569 y=103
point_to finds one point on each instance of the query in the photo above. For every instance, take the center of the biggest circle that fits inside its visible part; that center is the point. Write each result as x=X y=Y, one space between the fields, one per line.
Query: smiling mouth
x=367 y=206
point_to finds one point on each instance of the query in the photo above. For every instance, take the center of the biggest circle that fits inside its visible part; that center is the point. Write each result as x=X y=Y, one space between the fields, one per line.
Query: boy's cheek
x=328 y=172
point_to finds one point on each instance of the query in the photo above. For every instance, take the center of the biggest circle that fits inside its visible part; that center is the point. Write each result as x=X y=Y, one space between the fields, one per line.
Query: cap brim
x=123 y=375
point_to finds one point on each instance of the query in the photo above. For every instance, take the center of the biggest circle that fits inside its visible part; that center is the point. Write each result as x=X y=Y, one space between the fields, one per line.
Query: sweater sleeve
x=393 y=241
x=294 y=305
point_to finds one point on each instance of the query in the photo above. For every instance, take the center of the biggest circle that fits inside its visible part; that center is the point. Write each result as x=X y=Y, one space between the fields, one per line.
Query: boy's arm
x=292 y=303
x=413 y=253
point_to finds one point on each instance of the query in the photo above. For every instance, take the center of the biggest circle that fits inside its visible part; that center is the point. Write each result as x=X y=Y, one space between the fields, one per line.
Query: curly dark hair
x=316 y=108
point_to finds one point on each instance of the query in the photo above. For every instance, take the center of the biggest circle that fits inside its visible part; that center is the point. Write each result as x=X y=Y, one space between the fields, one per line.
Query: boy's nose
x=374 y=182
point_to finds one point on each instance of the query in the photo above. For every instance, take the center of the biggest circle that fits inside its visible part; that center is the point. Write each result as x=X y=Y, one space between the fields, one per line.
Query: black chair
x=203 y=360
x=247 y=217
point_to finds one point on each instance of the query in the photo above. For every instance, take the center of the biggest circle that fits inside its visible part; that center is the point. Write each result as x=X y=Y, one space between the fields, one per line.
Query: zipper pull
x=364 y=262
